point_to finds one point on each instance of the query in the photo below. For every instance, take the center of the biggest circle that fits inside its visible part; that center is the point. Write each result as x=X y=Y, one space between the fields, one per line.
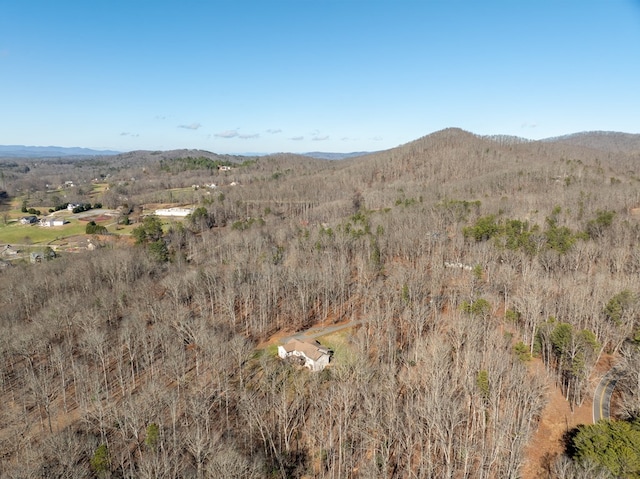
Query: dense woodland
x=460 y=259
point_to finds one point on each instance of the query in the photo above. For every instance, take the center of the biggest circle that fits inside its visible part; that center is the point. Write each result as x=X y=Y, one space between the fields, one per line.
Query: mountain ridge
x=597 y=139
x=601 y=140
x=24 y=151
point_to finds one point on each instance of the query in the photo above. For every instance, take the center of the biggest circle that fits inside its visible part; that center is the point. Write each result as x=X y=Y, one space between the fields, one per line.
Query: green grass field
x=15 y=233
x=338 y=342
x=97 y=188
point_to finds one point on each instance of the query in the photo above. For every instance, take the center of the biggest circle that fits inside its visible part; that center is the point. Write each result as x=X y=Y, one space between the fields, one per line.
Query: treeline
x=176 y=165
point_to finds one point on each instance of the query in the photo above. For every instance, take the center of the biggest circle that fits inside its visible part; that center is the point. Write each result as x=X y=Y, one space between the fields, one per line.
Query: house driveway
x=96 y=212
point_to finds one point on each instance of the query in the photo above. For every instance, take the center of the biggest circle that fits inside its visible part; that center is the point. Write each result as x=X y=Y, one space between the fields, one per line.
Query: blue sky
x=238 y=76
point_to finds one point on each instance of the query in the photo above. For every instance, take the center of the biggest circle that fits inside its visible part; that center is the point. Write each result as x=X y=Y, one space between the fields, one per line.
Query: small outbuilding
x=36 y=257
x=41 y=256
x=310 y=352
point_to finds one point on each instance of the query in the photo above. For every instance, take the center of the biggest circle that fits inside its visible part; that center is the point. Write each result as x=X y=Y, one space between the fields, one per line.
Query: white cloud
x=273 y=131
x=297 y=138
x=235 y=134
x=192 y=126
x=126 y=133
x=227 y=134
x=316 y=136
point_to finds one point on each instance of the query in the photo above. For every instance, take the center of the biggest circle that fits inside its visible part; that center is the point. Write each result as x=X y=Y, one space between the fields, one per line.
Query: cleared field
x=15 y=233
x=97 y=188
x=338 y=342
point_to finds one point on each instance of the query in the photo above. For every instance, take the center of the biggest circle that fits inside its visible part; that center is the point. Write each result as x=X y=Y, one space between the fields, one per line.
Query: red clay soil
x=557 y=418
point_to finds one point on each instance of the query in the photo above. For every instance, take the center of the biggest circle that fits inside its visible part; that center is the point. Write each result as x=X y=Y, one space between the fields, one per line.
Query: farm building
x=48 y=222
x=177 y=212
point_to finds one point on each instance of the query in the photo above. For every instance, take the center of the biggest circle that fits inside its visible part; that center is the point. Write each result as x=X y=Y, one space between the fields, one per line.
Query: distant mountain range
x=22 y=151
x=595 y=140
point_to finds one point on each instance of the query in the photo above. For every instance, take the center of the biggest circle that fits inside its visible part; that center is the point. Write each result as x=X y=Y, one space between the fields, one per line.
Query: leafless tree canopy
x=117 y=365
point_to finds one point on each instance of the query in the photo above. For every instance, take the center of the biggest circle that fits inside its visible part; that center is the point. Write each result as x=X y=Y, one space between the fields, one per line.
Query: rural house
x=27 y=220
x=8 y=250
x=311 y=353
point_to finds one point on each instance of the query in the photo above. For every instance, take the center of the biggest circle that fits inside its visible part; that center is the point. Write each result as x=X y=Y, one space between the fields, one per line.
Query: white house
x=312 y=353
x=8 y=250
x=27 y=220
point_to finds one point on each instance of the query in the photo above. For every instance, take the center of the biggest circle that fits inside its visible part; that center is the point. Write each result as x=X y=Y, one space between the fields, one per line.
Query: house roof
x=311 y=349
x=8 y=250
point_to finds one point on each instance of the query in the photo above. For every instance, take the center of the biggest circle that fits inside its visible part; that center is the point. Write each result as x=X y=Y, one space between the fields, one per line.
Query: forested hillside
x=459 y=260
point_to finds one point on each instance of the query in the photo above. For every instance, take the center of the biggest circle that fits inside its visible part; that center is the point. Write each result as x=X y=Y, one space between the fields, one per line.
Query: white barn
x=49 y=222
x=178 y=212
